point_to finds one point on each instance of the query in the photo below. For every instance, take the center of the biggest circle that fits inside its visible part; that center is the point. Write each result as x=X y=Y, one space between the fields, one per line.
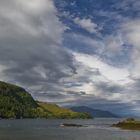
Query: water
x=97 y=129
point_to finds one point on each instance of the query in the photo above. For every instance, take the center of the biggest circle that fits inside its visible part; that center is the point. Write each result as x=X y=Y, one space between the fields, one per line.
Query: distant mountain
x=94 y=112
x=16 y=102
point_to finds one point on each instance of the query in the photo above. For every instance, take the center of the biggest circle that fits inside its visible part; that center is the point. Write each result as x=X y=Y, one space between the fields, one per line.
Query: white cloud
x=113 y=43
x=96 y=78
x=32 y=18
x=131 y=31
x=87 y=24
x=114 y=74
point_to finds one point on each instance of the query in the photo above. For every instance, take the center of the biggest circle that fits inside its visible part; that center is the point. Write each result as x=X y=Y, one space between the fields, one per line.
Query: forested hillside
x=16 y=102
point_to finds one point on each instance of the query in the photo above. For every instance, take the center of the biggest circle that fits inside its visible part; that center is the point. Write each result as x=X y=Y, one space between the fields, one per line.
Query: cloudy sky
x=73 y=52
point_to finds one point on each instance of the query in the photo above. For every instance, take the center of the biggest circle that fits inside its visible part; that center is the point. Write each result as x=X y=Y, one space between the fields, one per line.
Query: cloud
x=109 y=72
x=131 y=30
x=108 y=66
x=72 y=66
x=113 y=43
x=31 y=50
x=87 y=24
x=129 y=5
x=83 y=44
x=116 y=107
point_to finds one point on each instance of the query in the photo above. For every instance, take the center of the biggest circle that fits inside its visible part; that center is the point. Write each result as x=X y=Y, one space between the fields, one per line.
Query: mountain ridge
x=94 y=112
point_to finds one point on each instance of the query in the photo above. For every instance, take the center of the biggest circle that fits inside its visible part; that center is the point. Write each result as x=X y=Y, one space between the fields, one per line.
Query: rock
x=70 y=125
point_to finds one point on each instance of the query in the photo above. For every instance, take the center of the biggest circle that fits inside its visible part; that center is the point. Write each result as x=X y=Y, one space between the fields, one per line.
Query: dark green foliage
x=130 y=120
x=130 y=124
x=16 y=102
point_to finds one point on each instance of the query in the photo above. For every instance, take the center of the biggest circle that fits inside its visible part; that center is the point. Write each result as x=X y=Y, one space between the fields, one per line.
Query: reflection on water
x=97 y=129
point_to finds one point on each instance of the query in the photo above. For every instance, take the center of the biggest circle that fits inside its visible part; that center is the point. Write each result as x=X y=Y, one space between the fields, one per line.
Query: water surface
x=96 y=129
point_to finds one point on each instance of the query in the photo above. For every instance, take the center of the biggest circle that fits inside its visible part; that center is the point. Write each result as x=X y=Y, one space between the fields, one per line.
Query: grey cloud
x=117 y=107
x=30 y=47
x=49 y=96
x=109 y=87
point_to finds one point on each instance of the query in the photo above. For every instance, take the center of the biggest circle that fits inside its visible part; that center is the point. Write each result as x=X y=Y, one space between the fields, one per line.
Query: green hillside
x=16 y=102
x=59 y=112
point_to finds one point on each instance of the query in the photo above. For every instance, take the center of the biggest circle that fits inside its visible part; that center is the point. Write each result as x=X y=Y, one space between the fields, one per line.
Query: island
x=71 y=125
x=17 y=103
x=129 y=124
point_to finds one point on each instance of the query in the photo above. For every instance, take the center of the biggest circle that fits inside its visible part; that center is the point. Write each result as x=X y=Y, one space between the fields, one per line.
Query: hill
x=94 y=112
x=16 y=102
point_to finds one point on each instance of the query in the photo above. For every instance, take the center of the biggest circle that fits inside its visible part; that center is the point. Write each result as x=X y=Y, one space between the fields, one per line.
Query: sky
x=73 y=52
